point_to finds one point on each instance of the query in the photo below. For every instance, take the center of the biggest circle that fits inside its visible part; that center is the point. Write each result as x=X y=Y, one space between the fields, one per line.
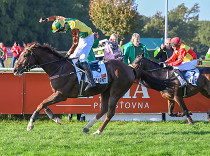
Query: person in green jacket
x=133 y=49
x=91 y=56
x=208 y=54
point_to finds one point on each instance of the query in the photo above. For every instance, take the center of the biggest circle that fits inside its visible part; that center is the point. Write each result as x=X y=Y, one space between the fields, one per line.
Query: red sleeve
x=12 y=49
x=181 y=54
x=19 y=49
x=172 y=58
x=5 y=50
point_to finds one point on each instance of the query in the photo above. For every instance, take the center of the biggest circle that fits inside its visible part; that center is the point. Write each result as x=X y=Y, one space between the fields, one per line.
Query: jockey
x=183 y=58
x=82 y=40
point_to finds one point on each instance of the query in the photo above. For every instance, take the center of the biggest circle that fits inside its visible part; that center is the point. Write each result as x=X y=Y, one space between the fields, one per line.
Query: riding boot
x=185 y=83
x=177 y=71
x=89 y=74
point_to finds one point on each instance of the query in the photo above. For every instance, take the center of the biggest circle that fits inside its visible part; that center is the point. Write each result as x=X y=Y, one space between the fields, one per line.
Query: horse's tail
x=155 y=83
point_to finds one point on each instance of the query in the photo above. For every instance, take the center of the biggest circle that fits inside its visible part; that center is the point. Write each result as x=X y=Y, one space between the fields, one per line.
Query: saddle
x=98 y=70
x=191 y=76
x=94 y=66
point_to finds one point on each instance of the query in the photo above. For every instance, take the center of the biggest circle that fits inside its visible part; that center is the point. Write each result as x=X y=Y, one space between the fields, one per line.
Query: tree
x=114 y=16
x=183 y=22
x=204 y=32
x=155 y=27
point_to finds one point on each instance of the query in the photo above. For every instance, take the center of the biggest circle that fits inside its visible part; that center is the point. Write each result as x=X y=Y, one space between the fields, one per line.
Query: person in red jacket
x=16 y=49
x=183 y=58
x=3 y=57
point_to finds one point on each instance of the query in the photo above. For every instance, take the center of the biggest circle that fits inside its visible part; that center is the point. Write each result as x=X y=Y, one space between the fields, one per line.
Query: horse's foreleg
x=52 y=116
x=103 y=110
x=54 y=98
x=171 y=104
x=180 y=101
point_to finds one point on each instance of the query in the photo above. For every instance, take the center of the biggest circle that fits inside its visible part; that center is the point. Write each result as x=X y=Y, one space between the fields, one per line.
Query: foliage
x=114 y=16
x=155 y=27
x=204 y=33
x=119 y=138
x=19 y=20
x=183 y=22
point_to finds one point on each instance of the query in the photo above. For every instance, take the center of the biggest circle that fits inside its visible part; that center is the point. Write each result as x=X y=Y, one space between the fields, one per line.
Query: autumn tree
x=114 y=16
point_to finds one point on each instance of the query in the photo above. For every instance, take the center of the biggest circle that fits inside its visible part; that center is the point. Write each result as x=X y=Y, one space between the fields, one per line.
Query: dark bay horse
x=120 y=79
x=175 y=94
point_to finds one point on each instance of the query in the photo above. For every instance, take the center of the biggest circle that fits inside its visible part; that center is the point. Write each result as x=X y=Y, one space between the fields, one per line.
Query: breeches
x=187 y=65
x=83 y=49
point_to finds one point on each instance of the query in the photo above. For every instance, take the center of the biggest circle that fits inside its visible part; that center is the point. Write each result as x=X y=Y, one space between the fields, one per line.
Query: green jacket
x=91 y=56
x=130 y=53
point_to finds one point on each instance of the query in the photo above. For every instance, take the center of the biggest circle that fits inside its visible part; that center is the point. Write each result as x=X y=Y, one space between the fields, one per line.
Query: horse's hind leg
x=180 y=101
x=103 y=110
x=54 y=98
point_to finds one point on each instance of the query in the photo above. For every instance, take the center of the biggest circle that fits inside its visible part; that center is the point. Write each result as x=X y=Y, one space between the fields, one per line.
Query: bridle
x=27 y=67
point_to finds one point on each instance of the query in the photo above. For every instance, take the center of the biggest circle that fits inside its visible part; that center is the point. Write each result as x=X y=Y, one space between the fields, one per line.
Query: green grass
x=119 y=138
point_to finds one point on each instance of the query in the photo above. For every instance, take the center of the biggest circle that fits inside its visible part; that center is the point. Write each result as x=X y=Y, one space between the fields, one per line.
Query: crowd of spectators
x=4 y=53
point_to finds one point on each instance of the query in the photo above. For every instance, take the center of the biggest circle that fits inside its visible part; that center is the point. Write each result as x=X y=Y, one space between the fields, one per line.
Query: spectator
x=165 y=51
x=121 y=46
x=100 y=46
x=3 y=56
x=134 y=48
x=112 y=50
x=208 y=54
x=16 y=50
x=200 y=61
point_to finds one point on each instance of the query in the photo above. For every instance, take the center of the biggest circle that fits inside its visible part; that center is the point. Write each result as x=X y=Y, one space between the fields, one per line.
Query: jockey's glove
x=67 y=55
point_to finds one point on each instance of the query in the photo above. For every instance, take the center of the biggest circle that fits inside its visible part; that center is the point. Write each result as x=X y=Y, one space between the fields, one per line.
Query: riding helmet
x=57 y=25
x=175 y=41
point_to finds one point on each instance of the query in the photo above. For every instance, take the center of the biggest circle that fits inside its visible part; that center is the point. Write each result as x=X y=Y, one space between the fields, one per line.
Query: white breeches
x=83 y=49
x=187 y=65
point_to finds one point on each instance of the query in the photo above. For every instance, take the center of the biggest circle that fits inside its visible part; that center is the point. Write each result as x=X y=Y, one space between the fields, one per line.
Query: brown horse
x=175 y=94
x=120 y=79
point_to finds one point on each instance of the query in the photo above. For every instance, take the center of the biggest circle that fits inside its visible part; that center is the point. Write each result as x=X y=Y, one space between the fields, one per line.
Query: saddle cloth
x=191 y=76
x=98 y=69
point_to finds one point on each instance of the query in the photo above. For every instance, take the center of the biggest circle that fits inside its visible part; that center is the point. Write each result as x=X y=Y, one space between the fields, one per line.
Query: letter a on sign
x=143 y=91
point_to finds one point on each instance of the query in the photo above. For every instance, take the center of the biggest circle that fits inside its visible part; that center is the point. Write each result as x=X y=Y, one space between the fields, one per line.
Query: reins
x=52 y=76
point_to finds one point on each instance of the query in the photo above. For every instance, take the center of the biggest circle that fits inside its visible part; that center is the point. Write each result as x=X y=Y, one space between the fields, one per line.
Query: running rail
x=31 y=71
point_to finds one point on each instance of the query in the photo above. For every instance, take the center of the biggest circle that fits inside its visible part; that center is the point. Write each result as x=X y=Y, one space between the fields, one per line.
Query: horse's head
x=137 y=63
x=26 y=60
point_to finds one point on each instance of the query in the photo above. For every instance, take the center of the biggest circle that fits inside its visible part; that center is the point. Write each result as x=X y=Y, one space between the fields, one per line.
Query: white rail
x=11 y=70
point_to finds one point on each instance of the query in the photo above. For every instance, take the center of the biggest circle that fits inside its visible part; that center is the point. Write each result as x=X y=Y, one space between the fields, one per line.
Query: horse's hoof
x=97 y=132
x=29 y=128
x=58 y=121
x=191 y=123
x=85 y=130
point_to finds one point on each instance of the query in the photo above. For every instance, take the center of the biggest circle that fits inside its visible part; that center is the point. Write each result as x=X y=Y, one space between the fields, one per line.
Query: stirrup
x=89 y=86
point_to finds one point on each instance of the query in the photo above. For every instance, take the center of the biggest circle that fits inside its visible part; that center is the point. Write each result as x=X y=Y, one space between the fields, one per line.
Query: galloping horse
x=120 y=79
x=176 y=94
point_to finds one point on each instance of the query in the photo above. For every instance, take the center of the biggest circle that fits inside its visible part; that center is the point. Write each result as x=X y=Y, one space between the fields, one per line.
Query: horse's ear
x=33 y=44
x=141 y=55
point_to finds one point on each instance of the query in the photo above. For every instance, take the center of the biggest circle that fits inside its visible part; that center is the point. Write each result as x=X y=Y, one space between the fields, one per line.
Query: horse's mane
x=151 y=61
x=158 y=65
x=48 y=48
